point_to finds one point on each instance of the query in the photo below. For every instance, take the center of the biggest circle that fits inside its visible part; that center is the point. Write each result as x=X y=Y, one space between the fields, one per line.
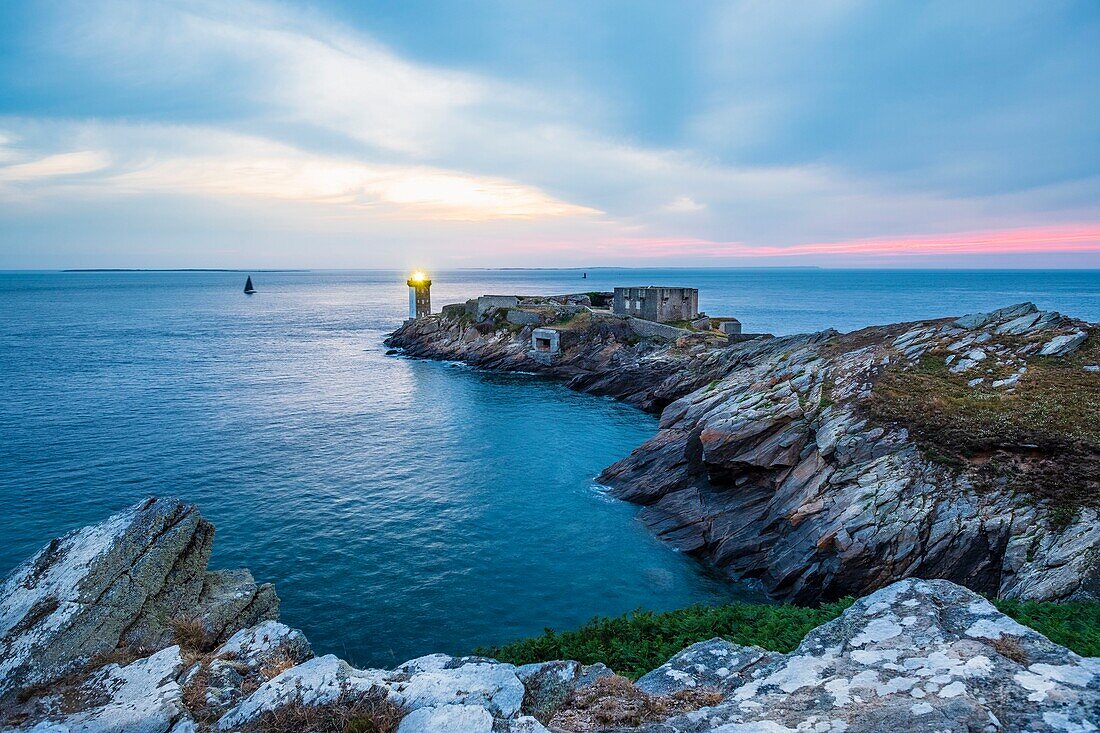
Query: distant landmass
x=170 y=269
x=632 y=267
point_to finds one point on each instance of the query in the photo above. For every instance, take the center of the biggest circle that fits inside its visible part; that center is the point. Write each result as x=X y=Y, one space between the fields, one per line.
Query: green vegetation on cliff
x=638 y=642
x=1041 y=438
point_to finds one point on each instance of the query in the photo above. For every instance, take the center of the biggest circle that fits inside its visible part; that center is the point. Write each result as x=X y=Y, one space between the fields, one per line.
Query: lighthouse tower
x=420 y=298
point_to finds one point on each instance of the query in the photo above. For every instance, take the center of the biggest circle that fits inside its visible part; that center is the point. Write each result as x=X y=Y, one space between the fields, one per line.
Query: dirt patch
x=615 y=701
x=1009 y=647
x=369 y=712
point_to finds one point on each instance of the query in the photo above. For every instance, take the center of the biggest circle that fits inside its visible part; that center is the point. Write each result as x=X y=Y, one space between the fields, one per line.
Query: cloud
x=281 y=119
x=56 y=166
x=979 y=98
x=683 y=205
x=228 y=166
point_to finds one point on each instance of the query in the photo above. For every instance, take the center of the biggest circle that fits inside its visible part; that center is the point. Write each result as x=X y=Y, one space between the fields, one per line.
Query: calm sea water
x=401 y=507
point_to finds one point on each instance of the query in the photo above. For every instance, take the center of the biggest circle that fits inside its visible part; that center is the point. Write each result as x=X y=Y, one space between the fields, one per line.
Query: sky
x=511 y=133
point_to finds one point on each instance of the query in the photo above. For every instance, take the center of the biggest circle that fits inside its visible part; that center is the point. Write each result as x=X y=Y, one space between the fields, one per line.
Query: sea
x=401 y=507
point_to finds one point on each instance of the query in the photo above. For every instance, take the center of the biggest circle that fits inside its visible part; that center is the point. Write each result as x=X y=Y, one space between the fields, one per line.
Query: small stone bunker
x=545 y=344
x=485 y=302
x=728 y=326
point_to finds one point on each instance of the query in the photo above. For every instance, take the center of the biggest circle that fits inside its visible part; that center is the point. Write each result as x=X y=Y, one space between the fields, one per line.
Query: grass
x=1075 y=625
x=1042 y=439
x=636 y=643
x=573 y=322
x=189 y=633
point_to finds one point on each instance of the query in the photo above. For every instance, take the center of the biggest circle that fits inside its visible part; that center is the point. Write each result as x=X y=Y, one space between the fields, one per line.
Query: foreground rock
x=126 y=586
x=917 y=655
x=830 y=464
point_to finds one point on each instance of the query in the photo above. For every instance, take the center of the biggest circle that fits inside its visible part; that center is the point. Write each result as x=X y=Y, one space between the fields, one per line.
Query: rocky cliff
x=109 y=655
x=829 y=464
x=125 y=586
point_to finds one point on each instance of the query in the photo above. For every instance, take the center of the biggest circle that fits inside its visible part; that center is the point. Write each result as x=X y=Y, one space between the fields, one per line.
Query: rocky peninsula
x=828 y=464
x=121 y=627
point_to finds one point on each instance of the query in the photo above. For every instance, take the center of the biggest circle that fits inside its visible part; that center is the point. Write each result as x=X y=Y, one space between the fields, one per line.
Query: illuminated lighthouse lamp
x=420 y=298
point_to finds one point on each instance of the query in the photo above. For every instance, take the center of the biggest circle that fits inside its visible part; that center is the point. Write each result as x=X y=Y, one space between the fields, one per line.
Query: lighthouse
x=420 y=298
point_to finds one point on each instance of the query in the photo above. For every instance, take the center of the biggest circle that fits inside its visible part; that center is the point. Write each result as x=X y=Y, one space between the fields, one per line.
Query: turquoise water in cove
x=401 y=507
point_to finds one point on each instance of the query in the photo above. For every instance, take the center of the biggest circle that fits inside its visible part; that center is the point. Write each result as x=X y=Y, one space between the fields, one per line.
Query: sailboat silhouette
x=248 y=286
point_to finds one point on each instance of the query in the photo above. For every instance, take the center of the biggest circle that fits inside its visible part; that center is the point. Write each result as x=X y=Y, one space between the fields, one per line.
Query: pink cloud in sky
x=1030 y=240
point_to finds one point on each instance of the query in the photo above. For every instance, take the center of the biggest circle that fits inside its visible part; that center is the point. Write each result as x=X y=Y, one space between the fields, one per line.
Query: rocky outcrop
x=600 y=355
x=809 y=463
x=129 y=584
x=715 y=664
x=916 y=655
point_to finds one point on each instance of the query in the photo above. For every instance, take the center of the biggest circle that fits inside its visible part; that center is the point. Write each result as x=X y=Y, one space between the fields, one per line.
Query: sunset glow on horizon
x=1067 y=238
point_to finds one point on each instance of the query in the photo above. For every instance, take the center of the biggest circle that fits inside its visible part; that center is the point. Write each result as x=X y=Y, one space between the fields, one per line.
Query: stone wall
x=454 y=310
x=652 y=329
x=485 y=302
x=524 y=317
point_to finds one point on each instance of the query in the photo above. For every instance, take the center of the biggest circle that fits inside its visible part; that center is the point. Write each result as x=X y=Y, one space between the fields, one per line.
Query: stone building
x=658 y=304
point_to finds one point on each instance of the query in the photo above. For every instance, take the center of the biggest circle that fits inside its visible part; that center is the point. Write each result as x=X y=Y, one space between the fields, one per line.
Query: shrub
x=643 y=640
x=1041 y=438
x=1075 y=625
x=638 y=642
x=614 y=701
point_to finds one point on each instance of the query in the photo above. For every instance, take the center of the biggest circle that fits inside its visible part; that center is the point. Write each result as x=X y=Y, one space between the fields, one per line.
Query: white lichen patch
x=798 y=672
x=879 y=629
x=995 y=628
x=1041 y=679
x=842 y=689
x=1063 y=722
x=953 y=689
x=874 y=656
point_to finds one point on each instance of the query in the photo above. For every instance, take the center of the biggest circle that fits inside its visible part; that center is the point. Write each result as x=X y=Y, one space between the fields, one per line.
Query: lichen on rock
x=916 y=655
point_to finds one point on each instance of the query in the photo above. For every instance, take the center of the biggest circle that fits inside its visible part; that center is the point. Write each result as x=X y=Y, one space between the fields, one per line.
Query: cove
x=400 y=507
